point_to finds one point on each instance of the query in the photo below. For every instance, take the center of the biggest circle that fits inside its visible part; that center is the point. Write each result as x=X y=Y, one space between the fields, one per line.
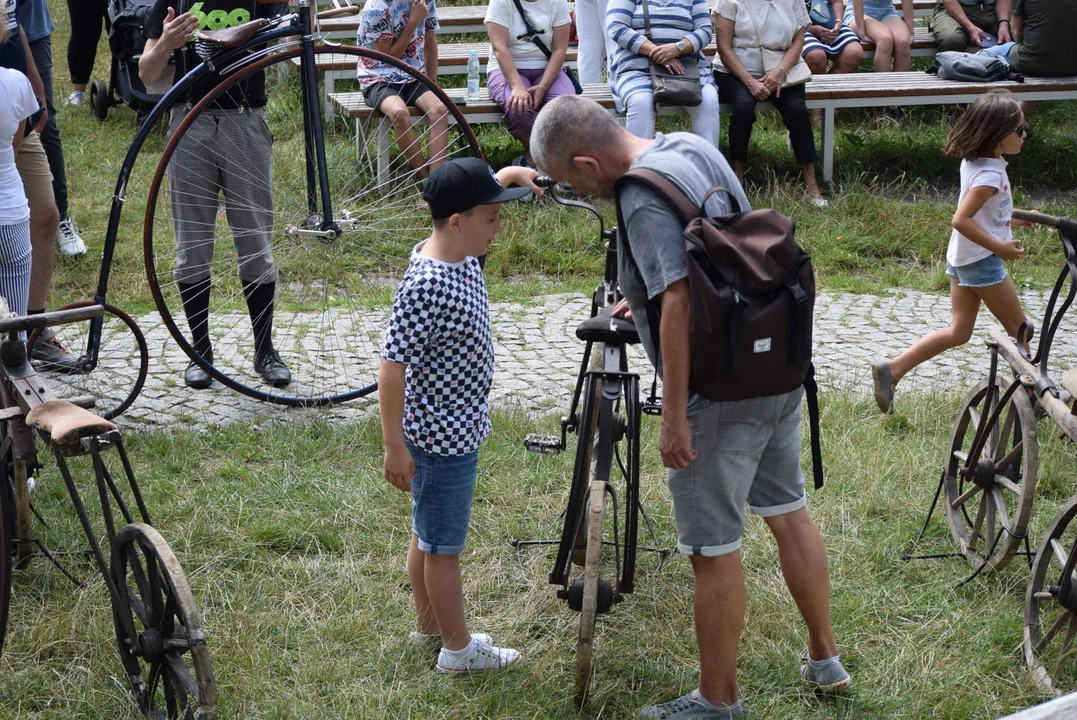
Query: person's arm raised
x=416 y=16
x=175 y=32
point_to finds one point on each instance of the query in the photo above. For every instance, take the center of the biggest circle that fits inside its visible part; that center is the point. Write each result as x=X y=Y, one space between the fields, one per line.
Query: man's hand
x=621 y=310
x=1004 y=34
x=1010 y=250
x=399 y=467
x=520 y=100
x=419 y=11
x=538 y=94
x=177 y=31
x=976 y=36
x=44 y=118
x=675 y=443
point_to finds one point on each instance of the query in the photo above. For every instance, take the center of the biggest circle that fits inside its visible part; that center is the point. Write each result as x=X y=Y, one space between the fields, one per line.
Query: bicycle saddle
x=66 y=423
x=233 y=36
x=606 y=329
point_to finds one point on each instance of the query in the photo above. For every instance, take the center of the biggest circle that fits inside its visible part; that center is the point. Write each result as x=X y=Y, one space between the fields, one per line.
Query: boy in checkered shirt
x=436 y=368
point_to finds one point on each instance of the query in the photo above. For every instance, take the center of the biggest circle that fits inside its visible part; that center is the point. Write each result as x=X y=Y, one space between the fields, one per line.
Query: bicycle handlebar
x=59 y=317
x=1062 y=223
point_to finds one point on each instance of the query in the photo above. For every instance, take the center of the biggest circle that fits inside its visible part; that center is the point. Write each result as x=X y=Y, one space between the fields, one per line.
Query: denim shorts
x=747 y=451
x=982 y=273
x=879 y=9
x=441 y=494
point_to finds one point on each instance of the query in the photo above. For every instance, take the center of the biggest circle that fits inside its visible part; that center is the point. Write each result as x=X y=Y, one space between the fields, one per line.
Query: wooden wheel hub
x=984 y=475
x=152 y=645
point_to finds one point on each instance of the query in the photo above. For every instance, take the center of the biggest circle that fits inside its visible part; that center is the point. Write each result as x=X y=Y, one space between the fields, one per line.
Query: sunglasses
x=1023 y=130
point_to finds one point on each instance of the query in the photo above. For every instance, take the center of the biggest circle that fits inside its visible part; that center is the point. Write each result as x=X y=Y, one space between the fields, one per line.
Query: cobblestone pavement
x=538 y=358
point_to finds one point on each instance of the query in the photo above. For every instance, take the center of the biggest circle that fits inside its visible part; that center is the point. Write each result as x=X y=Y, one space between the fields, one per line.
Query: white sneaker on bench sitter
x=478 y=656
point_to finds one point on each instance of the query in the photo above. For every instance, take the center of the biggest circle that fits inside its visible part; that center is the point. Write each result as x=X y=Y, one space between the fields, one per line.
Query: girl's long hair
x=984 y=125
x=4 y=33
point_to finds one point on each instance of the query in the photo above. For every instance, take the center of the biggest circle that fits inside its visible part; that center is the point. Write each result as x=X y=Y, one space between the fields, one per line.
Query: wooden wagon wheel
x=162 y=643
x=989 y=496
x=1051 y=606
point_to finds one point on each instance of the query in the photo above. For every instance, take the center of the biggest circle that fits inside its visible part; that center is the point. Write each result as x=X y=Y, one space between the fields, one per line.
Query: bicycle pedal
x=543 y=444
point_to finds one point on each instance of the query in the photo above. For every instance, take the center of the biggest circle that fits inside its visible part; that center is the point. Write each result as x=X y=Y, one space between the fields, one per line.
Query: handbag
x=533 y=35
x=796 y=75
x=822 y=14
x=668 y=87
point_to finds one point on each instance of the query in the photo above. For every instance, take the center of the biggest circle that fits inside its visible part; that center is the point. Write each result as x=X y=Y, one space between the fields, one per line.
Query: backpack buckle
x=798 y=293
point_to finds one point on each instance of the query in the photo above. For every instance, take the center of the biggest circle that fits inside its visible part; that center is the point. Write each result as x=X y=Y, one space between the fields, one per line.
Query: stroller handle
x=1062 y=223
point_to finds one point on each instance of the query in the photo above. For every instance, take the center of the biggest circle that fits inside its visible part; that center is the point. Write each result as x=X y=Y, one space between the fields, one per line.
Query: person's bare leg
x=965 y=304
x=719 y=614
x=848 y=60
x=80 y=87
x=424 y=612
x=44 y=219
x=738 y=169
x=902 y=43
x=807 y=575
x=445 y=591
x=397 y=111
x=438 y=118
x=884 y=44
x=1002 y=301
x=807 y=172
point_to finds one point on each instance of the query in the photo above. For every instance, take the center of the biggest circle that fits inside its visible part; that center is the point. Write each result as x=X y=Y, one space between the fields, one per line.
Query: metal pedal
x=543 y=444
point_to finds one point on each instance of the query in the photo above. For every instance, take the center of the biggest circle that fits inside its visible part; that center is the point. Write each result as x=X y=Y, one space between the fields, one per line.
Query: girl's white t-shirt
x=17 y=102
x=544 y=15
x=994 y=217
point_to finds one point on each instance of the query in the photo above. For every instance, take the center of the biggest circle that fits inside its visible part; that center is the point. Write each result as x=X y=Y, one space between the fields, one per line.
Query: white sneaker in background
x=69 y=240
x=78 y=97
x=476 y=657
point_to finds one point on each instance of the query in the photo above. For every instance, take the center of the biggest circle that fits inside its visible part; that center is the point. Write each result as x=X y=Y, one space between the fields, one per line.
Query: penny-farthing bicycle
x=347 y=209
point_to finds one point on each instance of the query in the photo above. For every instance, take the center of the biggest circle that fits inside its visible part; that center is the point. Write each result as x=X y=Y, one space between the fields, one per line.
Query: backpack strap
x=811 y=394
x=667 y=189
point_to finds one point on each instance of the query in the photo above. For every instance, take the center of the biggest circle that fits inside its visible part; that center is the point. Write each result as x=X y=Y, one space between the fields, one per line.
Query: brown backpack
x=752 y=293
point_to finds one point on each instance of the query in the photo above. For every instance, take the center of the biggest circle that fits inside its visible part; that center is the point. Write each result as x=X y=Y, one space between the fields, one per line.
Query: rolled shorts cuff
x=775 y=510
x=437 y=549
x=709 y=550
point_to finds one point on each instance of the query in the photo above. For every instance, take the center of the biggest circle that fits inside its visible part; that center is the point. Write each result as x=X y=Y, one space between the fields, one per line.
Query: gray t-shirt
x=655 y=232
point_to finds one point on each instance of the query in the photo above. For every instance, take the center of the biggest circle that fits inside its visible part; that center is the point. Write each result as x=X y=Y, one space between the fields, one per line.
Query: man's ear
x=586 y=164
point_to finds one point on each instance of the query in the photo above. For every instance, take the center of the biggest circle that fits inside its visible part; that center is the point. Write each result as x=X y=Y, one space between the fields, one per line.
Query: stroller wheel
x=99 y=100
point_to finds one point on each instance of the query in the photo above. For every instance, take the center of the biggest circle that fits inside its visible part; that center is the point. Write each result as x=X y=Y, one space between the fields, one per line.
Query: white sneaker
x=476 y=657
x=434 y=639
x=69 y=240
x=78 y=97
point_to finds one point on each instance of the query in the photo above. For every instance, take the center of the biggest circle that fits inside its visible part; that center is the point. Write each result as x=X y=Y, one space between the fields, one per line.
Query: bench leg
x=828 y=144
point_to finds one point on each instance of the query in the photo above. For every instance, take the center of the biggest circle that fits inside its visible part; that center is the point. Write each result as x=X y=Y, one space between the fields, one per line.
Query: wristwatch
x=682 y=47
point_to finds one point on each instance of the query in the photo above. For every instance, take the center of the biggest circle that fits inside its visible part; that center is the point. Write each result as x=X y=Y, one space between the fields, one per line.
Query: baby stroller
x=126 y=18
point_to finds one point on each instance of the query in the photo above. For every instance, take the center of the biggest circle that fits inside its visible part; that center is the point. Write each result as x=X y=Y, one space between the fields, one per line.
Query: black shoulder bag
x=670 y=88
x=533 y=35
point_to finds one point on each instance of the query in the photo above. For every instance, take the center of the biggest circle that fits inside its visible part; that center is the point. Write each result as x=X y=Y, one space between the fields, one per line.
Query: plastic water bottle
x=473 y=76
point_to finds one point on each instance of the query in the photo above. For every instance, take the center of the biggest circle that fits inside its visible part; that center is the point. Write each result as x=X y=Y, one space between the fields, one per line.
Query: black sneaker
x=195 y=377
x=272 y=368
x=49 y=354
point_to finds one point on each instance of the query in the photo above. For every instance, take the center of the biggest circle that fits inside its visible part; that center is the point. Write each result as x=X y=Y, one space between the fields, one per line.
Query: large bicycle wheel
x=331 y=293
x=7 y=530
x=123 y=359
x=1051 y=606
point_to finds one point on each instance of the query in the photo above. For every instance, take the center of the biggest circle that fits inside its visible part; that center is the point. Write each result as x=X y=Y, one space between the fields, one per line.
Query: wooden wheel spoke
x=156 y=591
x=1067 y=644
x=1051 y=632
x=1010 y=457
x=978 y=525
x=1007 y=430
x=1000 y=505
x=134 y=559
x=154 y=678
x=1060 y=552
x=975 y=415
x=1008 y=484
x=961 y=455
x=966 y=496
x=177 y=669
x=138 y=608
x=989 y=525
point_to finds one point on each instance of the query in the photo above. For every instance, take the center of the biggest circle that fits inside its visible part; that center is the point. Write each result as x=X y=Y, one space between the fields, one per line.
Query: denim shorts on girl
x=982 y=273
x=441 y=494
x=878 y=9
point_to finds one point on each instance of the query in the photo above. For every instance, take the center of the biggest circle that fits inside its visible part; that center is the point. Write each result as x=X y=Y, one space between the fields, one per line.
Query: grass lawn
x=294 y=544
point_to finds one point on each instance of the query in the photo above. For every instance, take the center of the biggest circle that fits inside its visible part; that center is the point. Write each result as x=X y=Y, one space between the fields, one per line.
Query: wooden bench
x=469 y=19
x=826 y=92
x=452 y=59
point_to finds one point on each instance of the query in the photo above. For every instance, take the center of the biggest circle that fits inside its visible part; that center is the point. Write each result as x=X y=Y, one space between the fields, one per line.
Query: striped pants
x=15 y=265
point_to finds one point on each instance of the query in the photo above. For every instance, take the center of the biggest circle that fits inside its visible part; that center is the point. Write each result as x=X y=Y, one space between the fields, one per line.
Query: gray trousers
x=229 y=152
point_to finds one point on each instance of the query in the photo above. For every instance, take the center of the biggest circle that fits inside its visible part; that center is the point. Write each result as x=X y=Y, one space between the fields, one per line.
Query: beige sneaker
x=885 y=384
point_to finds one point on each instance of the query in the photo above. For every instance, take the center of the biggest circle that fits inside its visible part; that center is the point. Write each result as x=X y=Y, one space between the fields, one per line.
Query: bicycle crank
x=574 y=596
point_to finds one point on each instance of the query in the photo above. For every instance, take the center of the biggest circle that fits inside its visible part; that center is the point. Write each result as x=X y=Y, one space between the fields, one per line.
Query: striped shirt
x=671 y=22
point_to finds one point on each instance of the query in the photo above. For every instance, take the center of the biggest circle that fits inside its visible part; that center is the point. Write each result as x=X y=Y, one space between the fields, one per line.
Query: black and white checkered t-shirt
x=440 y=327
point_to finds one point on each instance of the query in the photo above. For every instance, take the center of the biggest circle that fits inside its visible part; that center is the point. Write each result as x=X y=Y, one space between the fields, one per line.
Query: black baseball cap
x=465 y=183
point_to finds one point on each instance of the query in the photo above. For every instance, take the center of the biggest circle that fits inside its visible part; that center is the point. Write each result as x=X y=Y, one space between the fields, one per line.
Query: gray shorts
x=746 y=451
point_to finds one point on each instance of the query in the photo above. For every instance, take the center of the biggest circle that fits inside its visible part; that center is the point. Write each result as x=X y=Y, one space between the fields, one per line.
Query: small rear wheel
x=116 y=378
x=161 y=640
x=593 y=587
x=1051 y=606
x=7 y=530
x=100 y=100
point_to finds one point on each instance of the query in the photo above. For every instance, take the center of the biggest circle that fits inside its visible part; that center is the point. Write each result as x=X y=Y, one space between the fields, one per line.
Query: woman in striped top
x=680 y=29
